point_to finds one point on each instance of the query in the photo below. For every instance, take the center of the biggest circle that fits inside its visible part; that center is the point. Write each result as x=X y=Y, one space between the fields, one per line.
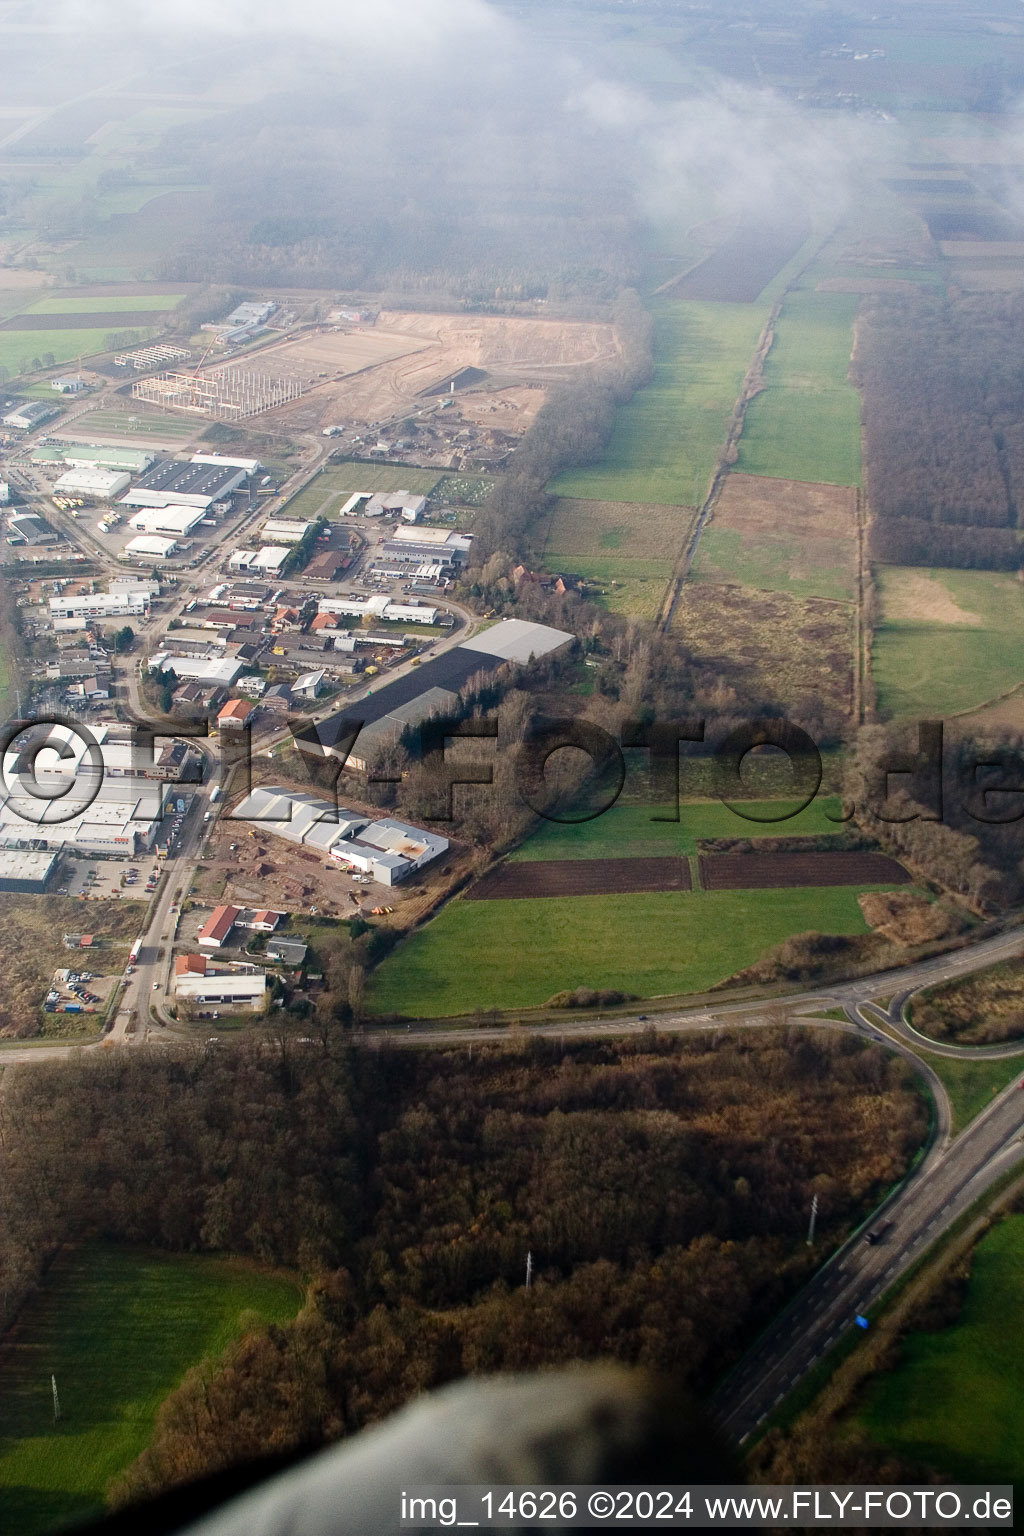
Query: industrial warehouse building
x=174 y=521
x=378 y=607
x=108 y=748
x=27 y=528
x=423 y=552
x=217 y=930
x=231 y=989
x=434 y=688
x=199 y=669
x=122 y=602
x=287 y=530
x=25 y=418
x=387 y=850
x=221 y=461
x=102 y=484
x=26 y=871
x=170 y=484
x=148 y=547
x=134 y=461
x=270 y=558
x=123 y=817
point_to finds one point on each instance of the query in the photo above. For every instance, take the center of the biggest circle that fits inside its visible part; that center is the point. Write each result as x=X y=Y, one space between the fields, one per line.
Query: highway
x=950 y=1176
x=947 y=1182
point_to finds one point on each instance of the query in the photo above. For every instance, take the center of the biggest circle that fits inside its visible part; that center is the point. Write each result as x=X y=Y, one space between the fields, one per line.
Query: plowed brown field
x=783 y=871
x=581 y=877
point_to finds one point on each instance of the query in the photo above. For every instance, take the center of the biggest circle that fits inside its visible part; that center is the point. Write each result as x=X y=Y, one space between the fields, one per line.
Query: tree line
x=943 y=386
x=571 y=428
x=661 y=1185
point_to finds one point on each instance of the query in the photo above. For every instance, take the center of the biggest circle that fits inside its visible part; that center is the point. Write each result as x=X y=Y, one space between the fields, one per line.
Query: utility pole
x=529 y=1270
x=814 y=1217
x=56 y=1400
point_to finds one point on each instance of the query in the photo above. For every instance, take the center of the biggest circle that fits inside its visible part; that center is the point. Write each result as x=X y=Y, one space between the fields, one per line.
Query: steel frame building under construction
x=223 y=394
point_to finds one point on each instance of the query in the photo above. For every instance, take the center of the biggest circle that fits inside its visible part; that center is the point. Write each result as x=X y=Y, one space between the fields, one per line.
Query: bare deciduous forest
x=662 y=1187
x=942 y=380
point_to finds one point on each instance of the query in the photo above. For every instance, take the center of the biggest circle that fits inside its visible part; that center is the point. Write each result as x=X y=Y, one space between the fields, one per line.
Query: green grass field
x=805 y=425
x=118 y=1328
x=17 y=347
x=8 y=674
x=627 y=831
x=778 y=562
x=632 y=591
x=667 y=440
x=955 y=1399
x=982 y=655
x=627 y=530
x=73 y=304
x=972 y=1084
x=515 y=954
x=136 y=421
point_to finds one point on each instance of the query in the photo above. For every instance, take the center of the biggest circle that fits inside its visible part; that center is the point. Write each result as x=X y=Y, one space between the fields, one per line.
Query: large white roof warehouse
x=149 y=547
x=166 y=520
x=198 y=669
x=113 y=816
x=387 y=850
x=184 y=485
x=104 y=484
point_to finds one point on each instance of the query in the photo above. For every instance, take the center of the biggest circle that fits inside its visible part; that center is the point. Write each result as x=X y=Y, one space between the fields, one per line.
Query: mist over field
x=454 y=137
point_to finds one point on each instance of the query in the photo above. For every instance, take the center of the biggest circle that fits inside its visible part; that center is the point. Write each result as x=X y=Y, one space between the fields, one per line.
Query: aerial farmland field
x=743 y=266
x=797 y=652
x=627 y=547
x=655 y=944
x=954 y=1396
x=974 y=619
x=71 y=303
x=18 y=349
x=632 y=830
x=782 y=535
x=668 y=439
x=805 y=424
x=166 y=1313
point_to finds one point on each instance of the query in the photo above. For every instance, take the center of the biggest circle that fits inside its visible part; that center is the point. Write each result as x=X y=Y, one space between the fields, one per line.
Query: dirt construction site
x=261 y=870
x=373 y=373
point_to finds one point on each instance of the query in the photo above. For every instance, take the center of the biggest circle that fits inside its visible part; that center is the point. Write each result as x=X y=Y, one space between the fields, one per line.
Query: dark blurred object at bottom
x=592 y=1424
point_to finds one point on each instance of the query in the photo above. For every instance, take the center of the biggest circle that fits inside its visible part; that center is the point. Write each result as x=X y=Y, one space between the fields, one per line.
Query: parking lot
x=79 y=991
x=101 y=879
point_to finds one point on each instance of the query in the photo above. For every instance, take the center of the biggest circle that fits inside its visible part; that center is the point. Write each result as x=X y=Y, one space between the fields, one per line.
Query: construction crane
x=202 y=360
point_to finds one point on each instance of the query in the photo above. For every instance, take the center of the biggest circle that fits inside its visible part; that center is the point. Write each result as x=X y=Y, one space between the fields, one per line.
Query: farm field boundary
x=805 y=423
x=634 y=828
x=974 y=619
x=653 y=944
x=743 y=266
x=796 y=651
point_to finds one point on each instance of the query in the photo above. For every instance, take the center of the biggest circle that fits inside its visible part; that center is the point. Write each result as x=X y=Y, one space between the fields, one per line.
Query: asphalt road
x=948 y=1181
x=950 y=1177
